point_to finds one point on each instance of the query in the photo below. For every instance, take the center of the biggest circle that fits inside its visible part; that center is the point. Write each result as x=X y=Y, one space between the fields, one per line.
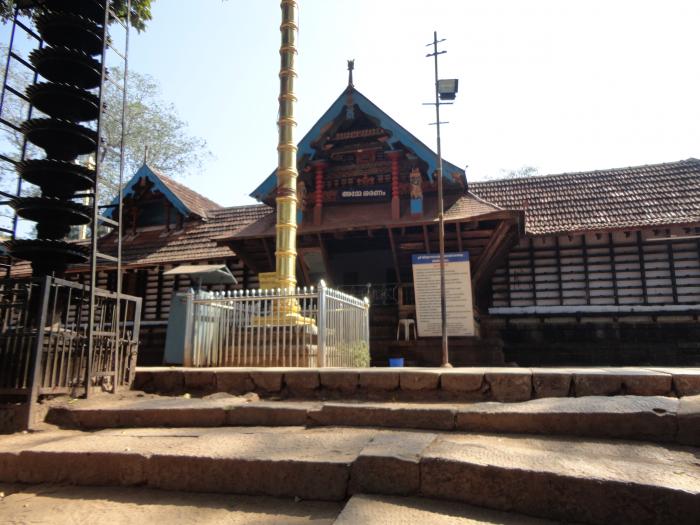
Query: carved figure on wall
x=302 y=193
x=416 y=184
x=457 y=178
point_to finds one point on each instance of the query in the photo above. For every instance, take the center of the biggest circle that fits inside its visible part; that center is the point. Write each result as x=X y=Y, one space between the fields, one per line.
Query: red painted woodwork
x=395 y=156
x=319 y=167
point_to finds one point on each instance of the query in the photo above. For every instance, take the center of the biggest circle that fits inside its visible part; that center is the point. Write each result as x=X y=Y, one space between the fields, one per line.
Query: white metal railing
x=306 y=328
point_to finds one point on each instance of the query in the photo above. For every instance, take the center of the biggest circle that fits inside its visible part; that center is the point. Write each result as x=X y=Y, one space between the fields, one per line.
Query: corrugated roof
x=638 y=196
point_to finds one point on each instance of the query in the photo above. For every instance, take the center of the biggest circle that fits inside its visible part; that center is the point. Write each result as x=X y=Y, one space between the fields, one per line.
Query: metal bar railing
x=307 y=327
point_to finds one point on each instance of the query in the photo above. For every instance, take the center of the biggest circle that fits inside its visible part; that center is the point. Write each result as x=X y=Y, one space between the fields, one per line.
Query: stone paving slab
x=423 y=384
x=566 y=479
x=591 y=481
x=650 y=418
x=630 y=417
x=392 y=510
x=62 y=505
x=285 y=461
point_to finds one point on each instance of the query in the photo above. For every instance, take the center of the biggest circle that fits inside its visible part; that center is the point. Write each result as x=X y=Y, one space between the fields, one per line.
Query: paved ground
x=651 y=418
x=387 y=510
x=555 y=478
x=62 y=505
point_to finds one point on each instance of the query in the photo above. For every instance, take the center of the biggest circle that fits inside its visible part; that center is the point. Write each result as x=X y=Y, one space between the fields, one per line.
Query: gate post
x=37 y=352
x=188 y=354
x=322 y=307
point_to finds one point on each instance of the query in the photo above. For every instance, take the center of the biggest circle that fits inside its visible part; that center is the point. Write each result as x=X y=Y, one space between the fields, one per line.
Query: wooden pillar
x=319 y=167
x=395 y=157
x=168 y=207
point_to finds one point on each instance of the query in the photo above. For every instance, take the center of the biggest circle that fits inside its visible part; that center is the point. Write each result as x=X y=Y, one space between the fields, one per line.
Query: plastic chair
x=406 y=324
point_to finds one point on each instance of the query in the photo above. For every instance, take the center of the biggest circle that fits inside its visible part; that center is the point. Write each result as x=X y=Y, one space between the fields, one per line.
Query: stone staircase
x=444 y=452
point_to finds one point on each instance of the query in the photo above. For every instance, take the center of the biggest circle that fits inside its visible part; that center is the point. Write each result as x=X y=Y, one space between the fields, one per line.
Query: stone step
x=587 y=481
x=422 y=384
x=660 y=419
x=65 y=505
x=383 y=510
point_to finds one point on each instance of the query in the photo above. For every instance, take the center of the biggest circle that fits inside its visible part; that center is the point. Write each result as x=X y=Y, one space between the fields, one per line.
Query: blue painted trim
x=417 y=258
x=399 y=134
x=416 y=206
x=145 y=171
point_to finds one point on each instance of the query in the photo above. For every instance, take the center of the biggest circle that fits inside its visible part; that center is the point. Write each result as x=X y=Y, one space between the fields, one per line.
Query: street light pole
x=441 y=211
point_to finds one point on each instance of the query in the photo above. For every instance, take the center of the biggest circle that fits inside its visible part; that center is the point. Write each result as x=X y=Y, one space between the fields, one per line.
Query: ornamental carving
x=416 y=182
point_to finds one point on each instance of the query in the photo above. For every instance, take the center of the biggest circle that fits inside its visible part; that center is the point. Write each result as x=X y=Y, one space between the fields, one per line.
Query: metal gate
x=44 y=339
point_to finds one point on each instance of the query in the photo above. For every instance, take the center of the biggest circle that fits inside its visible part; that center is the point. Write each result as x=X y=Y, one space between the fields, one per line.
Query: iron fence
x=308 y=327
x=48 y=319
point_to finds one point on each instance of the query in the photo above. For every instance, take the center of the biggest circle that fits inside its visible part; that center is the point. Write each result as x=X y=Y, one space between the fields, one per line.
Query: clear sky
x=559 y=85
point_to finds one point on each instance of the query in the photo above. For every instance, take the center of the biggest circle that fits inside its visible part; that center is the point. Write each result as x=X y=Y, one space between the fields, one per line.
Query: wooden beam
x=246 y=258
x=491 y=251
x=458 y=229
x=392 y=243
x=301 y=269
x=270 y=259
x=324 y=256
x=426 y=240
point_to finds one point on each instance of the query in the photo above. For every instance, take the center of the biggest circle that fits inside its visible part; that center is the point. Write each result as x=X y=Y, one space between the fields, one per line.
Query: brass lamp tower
x=284 y=276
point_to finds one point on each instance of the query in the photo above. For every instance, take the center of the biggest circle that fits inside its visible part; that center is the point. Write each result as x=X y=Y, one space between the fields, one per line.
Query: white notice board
x=458 y=294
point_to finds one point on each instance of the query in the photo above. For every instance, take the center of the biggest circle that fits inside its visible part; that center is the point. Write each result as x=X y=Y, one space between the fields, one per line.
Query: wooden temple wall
x=612 y=268
x=582 y=284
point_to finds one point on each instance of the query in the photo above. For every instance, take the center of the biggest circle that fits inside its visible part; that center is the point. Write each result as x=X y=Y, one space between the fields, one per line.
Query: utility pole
x=445 y=90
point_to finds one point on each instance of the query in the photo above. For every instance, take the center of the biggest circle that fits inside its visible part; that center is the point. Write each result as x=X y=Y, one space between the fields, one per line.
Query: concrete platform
x=589 y=481
x=645 y=418
x=422 y=384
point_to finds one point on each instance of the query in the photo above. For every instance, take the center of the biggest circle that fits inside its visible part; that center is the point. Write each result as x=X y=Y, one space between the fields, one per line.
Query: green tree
x=151 y=122
x=140 y=11
x=519 y=173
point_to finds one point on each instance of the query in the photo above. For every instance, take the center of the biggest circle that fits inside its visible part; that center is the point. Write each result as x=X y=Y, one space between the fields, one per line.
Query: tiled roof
x=650 y=195
x=468 y=206
x=195 y=242
x=196 y=203
x=359 y=216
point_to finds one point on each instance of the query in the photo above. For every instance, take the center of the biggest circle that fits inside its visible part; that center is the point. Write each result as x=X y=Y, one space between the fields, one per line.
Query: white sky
x=560 y=85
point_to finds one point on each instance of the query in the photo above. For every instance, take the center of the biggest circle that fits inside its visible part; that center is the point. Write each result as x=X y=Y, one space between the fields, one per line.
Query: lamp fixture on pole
x=445 y=89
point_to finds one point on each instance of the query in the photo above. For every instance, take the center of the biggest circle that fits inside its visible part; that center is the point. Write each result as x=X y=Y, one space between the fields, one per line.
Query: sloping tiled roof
x=198 y=204
x=185 y=200
x=373 y=215
x=650 y=195
x=195 y=242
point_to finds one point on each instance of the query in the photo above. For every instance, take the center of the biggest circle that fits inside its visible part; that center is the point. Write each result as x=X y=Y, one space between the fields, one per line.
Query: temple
x=597 y=268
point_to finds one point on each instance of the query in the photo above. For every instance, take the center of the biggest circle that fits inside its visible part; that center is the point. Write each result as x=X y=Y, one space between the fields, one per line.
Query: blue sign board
x=434 y=258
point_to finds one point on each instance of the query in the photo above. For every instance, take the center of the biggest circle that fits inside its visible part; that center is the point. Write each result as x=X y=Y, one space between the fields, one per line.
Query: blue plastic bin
x=396 y=362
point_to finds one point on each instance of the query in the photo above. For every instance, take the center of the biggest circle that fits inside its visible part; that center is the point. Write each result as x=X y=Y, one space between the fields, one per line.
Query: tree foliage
x=151 y=122
x=519 y=173
x=140 y=11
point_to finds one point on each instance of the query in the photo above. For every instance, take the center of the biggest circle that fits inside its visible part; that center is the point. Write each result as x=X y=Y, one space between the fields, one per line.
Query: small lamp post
x=446 y=90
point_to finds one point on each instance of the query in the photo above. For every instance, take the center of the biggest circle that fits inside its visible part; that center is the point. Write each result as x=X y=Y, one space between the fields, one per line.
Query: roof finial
x=145 y=154
x=351 y=66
